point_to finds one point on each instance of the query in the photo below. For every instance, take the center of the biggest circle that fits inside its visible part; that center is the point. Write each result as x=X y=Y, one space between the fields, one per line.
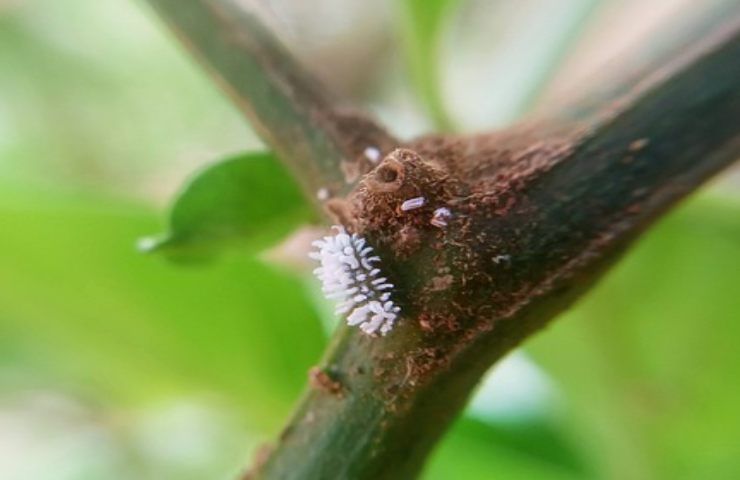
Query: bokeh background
x=119 y=365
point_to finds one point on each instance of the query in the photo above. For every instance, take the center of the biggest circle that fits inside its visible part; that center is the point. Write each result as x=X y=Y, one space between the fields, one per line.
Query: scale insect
x=350 y=277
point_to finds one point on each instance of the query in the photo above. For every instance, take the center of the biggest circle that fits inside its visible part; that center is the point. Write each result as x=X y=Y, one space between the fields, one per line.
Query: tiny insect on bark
x=350 y=277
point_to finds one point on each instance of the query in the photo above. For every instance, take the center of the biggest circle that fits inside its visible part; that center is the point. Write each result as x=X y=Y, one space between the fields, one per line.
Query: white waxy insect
x=412 y=203
x=322 y=194
x=440 y=217
x=372 y=154
x=349 y=276
x=501 y=259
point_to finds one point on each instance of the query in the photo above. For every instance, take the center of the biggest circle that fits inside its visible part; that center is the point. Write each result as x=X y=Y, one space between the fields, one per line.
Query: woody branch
x=533 y=215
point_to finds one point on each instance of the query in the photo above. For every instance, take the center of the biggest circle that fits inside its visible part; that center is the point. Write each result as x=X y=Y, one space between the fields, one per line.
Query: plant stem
x=538 y=212
x=557 y=208
x=320 y=138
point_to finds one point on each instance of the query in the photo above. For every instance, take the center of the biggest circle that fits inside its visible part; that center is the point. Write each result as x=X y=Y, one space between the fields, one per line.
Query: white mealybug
x=322 y=194
x=439 y=219
x=349 y=277
x=372 y=154
x=412 y=203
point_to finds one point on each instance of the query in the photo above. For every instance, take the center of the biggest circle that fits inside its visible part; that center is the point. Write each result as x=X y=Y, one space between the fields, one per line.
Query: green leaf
x=248 y=200
x=422 y=26
x=82 y=311
x=649 y=360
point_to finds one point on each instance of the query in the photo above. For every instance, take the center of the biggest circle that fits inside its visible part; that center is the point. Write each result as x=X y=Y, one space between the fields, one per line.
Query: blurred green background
x=119 y=365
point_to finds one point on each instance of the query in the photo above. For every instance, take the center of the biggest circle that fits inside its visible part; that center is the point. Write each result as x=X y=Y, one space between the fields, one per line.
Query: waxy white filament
x=349 y=277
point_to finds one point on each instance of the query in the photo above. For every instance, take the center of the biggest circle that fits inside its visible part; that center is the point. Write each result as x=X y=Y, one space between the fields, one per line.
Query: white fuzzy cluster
x=349 y=277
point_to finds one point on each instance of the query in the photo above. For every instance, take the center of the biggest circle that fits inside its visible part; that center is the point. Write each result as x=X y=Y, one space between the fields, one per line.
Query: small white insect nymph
x=372 y=154
x=322 y=194
x=349 y=277
x=440 y=217
x=412 y=203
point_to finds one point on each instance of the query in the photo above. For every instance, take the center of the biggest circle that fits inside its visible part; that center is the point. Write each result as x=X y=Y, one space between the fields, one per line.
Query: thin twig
x=317 y=135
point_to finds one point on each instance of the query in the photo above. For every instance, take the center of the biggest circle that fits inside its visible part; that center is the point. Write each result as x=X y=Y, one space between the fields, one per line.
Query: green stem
x=318 y=136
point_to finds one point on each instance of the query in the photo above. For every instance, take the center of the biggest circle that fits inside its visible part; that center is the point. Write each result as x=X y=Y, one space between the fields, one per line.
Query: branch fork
x=485 y=237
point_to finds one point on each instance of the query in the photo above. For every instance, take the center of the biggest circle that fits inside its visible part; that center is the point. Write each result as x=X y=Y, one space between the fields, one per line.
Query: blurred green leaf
x=532 y=449
x=649 y=361
x=67 y=110
x=422 y=26
x=85 y=311
x=249 y=199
